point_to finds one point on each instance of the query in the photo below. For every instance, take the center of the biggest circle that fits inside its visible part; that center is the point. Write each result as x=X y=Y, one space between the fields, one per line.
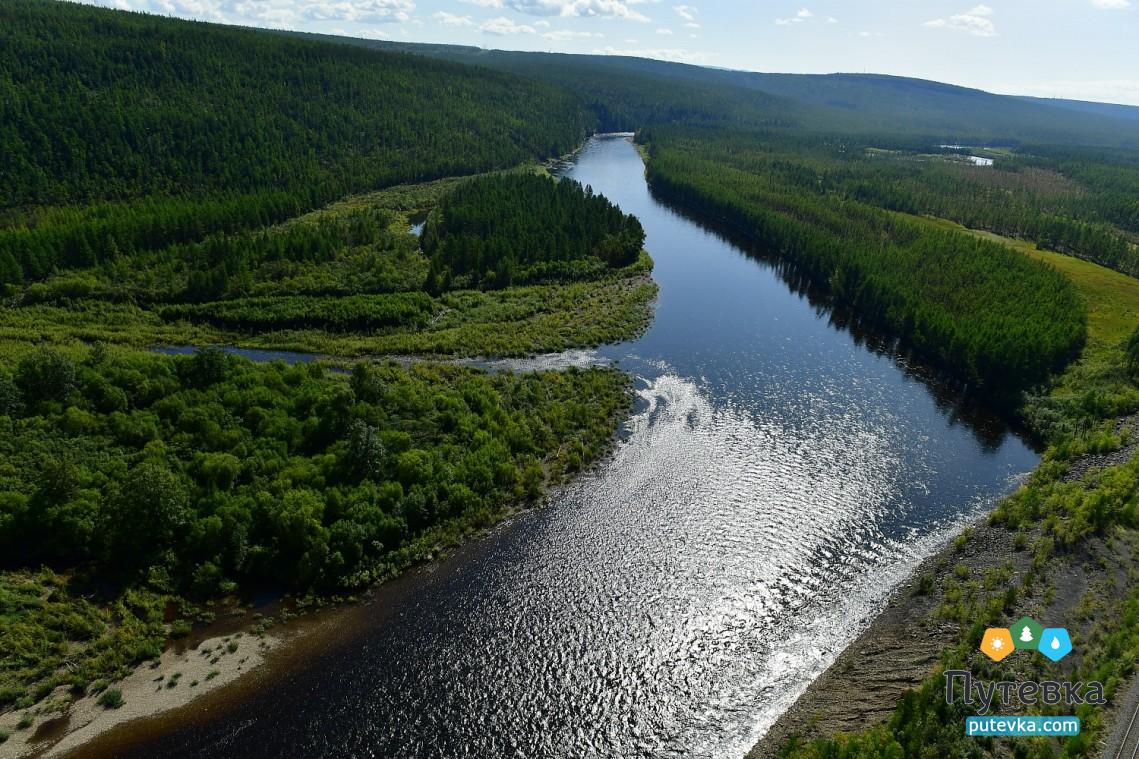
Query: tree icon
x=1026 y=633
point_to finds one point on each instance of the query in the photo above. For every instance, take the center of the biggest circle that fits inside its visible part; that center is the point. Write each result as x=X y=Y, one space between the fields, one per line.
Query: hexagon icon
x=997 y=643
x=1055 y=643
x=1026 y=633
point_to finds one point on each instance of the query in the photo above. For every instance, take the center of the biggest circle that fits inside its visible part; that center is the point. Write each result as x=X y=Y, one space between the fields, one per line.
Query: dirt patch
x=178 y=677
x=894 y=654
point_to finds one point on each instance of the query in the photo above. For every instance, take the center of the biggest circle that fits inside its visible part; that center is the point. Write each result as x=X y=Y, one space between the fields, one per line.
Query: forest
x=173 y=183
x=516 y=229
x=201 y=129
x=203 y=475
x=996 y=318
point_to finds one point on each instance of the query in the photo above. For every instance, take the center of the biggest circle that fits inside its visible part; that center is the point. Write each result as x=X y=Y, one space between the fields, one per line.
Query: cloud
x=676 y=55
x=363 y=11
x=568 y=8
x=975 y=21
x=686 y=12
x=503 y=26
x=664 y=31
x=562 y=35
x=832 y=20
x=450 y=19
x=798 y=18
x=1111 y=5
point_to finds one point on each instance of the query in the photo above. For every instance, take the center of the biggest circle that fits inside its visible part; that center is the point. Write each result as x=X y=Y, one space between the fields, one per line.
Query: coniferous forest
x=174 y=183
x=498 y=231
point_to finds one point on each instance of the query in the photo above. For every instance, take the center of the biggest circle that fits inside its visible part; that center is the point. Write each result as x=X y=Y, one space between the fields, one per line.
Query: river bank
x=1041 y=549
x=176 y=679
x=904 y=644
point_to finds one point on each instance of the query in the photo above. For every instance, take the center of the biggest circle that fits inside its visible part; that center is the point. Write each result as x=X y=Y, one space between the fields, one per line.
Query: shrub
x=112 y=698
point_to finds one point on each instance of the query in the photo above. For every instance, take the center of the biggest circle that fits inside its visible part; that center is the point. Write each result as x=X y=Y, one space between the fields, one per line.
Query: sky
x=1082 y=49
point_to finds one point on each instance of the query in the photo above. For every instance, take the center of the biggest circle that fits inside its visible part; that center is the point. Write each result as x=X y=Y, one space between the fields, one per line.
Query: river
x=779 y=477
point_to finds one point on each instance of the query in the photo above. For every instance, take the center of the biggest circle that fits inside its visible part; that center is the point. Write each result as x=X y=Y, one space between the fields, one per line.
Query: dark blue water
x=780 y=477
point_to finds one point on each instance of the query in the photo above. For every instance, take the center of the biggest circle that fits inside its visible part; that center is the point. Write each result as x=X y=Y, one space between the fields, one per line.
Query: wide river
x=778 y=478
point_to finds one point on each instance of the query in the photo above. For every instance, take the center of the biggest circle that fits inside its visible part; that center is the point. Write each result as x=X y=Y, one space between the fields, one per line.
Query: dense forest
x=214 y=129
x=501 y=230
x=627 y=93
x=204 y=474
x=993 y=316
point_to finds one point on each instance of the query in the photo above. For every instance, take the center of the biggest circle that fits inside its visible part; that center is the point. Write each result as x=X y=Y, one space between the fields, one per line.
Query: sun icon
x=997 y=643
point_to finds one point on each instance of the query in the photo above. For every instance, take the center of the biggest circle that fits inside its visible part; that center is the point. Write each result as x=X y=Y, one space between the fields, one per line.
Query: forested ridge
x=205 y=128
x=628 y=93
x=109 y=105
x=992 y=316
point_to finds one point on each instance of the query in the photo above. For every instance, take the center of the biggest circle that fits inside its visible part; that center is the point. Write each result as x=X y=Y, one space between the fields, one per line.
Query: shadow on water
x=961 y=404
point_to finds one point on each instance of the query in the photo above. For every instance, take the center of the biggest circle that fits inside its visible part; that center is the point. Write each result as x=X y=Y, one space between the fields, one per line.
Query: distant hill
x=1129 y=112
x=104 y=104
x=859 y=103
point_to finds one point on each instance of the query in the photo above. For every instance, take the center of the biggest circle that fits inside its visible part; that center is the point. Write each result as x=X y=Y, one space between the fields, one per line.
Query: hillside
x=101 y=104
x=859 y=103
x=1129 y=112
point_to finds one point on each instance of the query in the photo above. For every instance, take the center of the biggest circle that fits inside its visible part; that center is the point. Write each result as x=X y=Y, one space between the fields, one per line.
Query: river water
x=779 y=477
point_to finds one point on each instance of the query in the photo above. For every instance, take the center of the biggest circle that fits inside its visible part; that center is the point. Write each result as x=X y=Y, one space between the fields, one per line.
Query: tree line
x=495 y=231
x=990 y=315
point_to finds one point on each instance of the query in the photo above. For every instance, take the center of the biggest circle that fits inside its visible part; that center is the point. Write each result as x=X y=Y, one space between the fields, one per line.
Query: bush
x=112 y=698
x=46 y=375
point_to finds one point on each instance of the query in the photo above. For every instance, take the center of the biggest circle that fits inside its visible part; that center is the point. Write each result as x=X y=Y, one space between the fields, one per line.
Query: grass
x=1112 y=298
x=54 y=637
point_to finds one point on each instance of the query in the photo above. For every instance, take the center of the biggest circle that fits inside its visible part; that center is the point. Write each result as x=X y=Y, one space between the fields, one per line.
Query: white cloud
x=798 y=18
x=832 y=20
x=677 y=55
x=450 y=19
x=686 y=12
x=562 y=35
x=503 y=26
x=568 y=8
x=666 y=32
x=975 y=21
x=363 y=11
x=1111 y=5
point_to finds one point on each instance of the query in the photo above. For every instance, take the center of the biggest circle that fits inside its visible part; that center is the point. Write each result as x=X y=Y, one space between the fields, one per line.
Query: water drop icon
x=1055 y=643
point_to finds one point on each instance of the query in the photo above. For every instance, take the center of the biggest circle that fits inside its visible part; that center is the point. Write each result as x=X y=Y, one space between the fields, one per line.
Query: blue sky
x=1087 y=49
